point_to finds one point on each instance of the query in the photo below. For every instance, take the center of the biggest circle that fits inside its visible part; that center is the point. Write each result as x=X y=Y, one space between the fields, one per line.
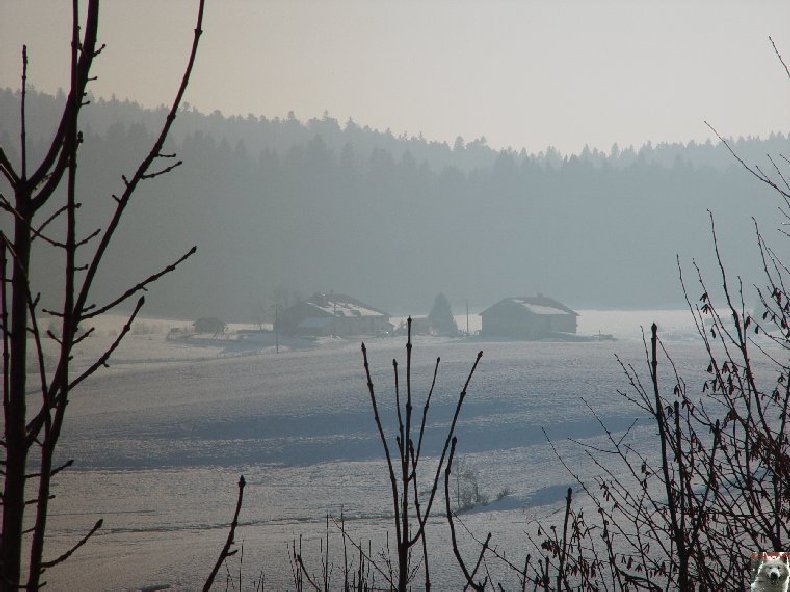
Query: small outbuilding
x=528 y=318
x=332 y=314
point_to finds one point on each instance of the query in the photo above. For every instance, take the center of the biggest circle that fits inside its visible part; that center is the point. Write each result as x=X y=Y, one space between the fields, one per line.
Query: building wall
x=288 y=319
x=563 y=323
x=370 y=325
x=508 y=323
x=512 y=322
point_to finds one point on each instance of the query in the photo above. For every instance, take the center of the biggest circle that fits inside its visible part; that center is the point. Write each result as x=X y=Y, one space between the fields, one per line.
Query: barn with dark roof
x=528 y=318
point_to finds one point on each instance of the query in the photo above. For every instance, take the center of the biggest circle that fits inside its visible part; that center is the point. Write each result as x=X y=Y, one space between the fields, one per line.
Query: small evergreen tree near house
x=441 y=317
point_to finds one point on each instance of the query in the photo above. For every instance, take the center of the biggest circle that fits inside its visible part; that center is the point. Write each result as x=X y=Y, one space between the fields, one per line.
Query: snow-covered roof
x=539 y=305
x=539 y=309
x=341 y=305
x=346 y=309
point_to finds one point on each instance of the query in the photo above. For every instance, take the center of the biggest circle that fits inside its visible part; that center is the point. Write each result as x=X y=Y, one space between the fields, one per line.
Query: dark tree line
x=293 y=218
x=280 y=134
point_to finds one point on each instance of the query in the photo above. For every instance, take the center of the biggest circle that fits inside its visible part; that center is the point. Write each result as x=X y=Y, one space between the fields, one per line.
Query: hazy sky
x=524 y=73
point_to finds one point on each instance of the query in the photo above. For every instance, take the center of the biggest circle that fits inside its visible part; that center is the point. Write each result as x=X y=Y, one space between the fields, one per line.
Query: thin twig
x=226 y=552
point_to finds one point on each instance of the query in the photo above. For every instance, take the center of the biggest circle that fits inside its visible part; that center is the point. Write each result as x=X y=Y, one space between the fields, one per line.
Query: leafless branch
x=138 y=287
x=226 y=552
x=778 y=55
x=70 y=552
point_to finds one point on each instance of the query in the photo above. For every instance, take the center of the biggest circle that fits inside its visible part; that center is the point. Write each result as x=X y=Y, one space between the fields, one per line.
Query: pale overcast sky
x=522 y=74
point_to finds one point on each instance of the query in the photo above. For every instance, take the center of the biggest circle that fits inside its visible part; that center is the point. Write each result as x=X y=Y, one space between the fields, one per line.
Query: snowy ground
x=160 y=439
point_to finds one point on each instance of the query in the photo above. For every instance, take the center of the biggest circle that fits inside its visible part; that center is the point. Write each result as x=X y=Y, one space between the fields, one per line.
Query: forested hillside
x=280 y=208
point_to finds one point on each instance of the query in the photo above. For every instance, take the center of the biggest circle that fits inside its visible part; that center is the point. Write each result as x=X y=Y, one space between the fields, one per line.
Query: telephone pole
x=276 y=332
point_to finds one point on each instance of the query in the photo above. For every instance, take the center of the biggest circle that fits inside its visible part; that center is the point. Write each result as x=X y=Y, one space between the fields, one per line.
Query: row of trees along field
x=285 y=205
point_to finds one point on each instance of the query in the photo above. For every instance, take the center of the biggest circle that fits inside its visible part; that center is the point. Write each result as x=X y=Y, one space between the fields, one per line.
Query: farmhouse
x=528 y=318
x=332 y=314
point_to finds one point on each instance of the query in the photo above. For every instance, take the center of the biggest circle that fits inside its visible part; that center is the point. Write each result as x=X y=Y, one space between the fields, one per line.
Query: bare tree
x=32 y=429
x=410 y=514
x=688 y=513
x=411 y=509
x=718 y=488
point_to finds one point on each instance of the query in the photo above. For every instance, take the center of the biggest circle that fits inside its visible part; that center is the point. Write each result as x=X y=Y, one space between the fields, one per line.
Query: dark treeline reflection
x=280 y=208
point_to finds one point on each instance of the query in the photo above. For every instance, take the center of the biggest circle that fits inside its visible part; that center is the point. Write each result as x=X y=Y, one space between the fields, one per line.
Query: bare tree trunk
x=14 y=406
x=40 y=425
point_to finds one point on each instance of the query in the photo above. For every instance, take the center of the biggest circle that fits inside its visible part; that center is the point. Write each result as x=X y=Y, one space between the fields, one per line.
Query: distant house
x=332 y=314
x=528 y=318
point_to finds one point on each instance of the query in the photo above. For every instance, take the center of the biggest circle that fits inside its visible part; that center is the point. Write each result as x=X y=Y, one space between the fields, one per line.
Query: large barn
x=332 y=314
x=528 y=318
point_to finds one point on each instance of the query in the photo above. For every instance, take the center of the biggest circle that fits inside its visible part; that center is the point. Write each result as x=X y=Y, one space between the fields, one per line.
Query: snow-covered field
x=160 y=439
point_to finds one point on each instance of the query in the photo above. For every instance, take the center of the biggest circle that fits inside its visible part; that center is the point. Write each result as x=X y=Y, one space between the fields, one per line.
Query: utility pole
x=276 y=331
x=467 y=318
